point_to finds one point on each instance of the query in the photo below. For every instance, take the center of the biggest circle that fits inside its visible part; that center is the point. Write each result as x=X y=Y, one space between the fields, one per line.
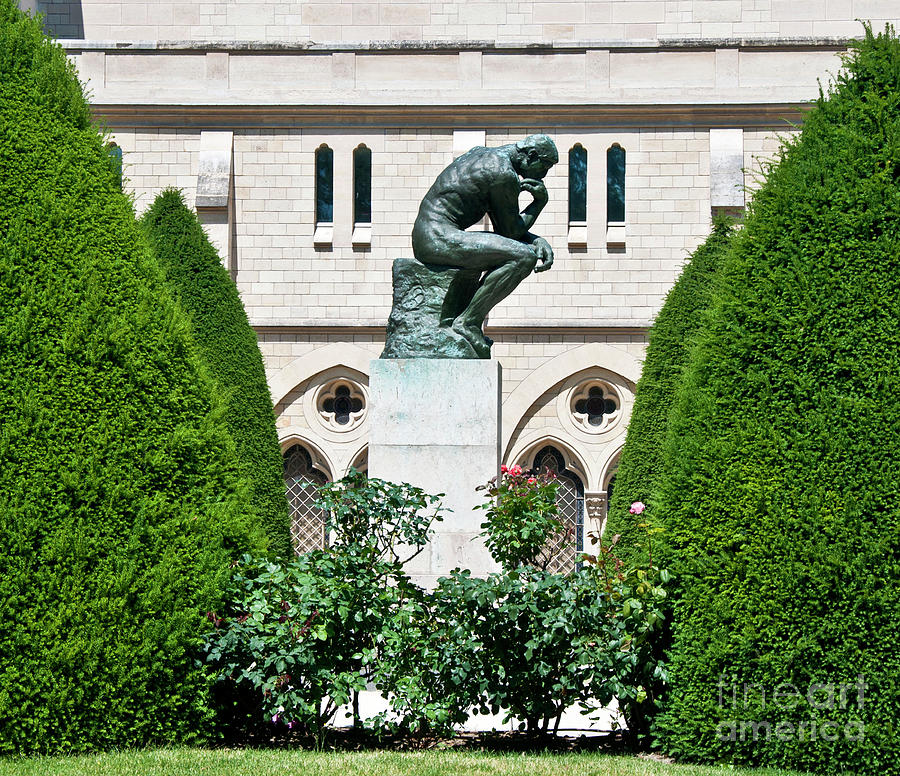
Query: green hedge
x=667 y=353
x=120 y=501
x=781 y=489
x=228 y=346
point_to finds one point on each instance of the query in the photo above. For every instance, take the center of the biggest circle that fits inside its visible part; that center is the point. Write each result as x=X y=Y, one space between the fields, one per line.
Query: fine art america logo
x=831 y=710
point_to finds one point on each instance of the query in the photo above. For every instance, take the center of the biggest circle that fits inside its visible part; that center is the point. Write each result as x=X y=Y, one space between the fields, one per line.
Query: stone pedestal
x=435 y=423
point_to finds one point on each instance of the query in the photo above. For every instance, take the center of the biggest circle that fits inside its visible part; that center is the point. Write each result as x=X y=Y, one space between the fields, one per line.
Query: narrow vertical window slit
x=577 y=184
x=362 y=185
x=324 y=185
x=615 y=184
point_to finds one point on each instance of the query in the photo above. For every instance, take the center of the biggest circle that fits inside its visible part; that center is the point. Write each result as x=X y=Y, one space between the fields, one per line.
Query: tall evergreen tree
x=780 y=494
x=668 y=349
x=121 y=503
x=230 y=350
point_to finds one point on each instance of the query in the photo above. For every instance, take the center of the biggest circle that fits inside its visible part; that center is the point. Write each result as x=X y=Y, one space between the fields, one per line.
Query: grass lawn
x=251 y=762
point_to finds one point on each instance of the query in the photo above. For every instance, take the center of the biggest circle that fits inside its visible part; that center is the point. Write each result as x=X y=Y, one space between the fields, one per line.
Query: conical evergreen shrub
x=230 y=350
x=780 y=494
x=668 y=349
x=121 y=504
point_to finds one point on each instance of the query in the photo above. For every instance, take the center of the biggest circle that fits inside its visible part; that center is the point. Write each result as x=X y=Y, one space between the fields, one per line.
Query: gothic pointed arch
x=303 y=476
x=343 y=354
x=602 y=356
x=562 y=554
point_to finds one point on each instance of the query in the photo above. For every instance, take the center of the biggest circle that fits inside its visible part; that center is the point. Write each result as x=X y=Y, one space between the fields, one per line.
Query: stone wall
x=322 y=84
x=286 y=279
x=510 y=21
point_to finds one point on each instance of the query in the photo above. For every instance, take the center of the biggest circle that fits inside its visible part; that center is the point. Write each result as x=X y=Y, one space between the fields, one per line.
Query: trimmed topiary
x=229 y=347
x=669 y=344
x=780 y=493
x=121 y=505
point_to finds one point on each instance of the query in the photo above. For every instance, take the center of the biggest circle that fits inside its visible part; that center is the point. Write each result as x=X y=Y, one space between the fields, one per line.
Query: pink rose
x=531 y=480
x=504 y=469
x=637 y=507
x=516 y=470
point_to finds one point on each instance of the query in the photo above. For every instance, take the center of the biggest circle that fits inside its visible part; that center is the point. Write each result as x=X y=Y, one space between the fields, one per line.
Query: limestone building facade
x=305 y=134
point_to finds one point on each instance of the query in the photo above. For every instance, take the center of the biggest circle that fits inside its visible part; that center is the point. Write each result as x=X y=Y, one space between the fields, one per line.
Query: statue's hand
x=536 y=188
x=544 y=253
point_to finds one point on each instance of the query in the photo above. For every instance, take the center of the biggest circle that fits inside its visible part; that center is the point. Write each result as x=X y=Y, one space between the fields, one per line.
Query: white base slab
x=573 y=721
x=435 y=423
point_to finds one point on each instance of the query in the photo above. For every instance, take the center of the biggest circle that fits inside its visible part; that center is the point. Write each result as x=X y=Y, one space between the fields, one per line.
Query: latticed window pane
x=302 y=482
x=561 y=553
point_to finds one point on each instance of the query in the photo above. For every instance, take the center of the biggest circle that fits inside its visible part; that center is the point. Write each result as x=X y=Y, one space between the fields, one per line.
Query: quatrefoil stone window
x=595 y=406
x=341 y=405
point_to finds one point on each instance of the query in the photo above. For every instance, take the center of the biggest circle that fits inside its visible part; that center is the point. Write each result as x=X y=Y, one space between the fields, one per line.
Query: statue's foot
x=475 y=337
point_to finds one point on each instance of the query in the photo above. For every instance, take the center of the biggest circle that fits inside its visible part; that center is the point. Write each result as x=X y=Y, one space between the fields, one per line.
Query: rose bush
x=521 y=517
x=306 y=635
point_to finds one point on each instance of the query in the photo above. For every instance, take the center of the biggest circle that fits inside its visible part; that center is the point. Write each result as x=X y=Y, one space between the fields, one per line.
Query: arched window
x=302 y=481
x=115 y=158
x=615 y=184
x=324 y=185
x=577 y=184
x=570 y=500
x=362 y=185
x=361 y=462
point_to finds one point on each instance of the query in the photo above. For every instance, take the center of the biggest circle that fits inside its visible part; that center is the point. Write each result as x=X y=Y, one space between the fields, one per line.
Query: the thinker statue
x=443 y=296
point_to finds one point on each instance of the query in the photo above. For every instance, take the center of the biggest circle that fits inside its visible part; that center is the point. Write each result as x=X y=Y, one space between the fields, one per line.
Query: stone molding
x=342 y=354
x=288 y=437
x=215 y=192
x=770 y=115
x=574 y=460
x=317 y=393
x=542 y=379
x=376 y=326
x=835 y=43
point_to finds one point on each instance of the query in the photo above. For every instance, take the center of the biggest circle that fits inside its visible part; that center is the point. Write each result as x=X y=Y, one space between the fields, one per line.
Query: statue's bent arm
x=504 y=212
x=539 y=191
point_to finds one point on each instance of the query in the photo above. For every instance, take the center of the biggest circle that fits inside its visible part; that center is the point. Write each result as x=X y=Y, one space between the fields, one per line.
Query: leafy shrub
x=427 y=667
x=310 y=633
x=522 y=517
x=779 y=495
x=120 y=503
x=229 y=349
x=298 y=636
x=668 y=349
x=383 y=521
x=307 y=633
x=540 y=643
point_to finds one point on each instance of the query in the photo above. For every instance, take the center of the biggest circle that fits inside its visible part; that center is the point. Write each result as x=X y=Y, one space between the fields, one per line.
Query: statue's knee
x=527 y=261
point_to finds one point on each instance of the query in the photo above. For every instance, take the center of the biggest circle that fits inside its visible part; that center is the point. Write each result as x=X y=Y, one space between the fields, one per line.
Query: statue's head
x=534 y=156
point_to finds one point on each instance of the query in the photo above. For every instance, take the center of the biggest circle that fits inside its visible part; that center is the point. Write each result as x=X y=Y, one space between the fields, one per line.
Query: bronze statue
x=442 y=298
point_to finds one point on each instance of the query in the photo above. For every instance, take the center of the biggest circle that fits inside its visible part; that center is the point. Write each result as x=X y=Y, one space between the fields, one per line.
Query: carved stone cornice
x=635 y=116
x=839 y=43
x=562 y=328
